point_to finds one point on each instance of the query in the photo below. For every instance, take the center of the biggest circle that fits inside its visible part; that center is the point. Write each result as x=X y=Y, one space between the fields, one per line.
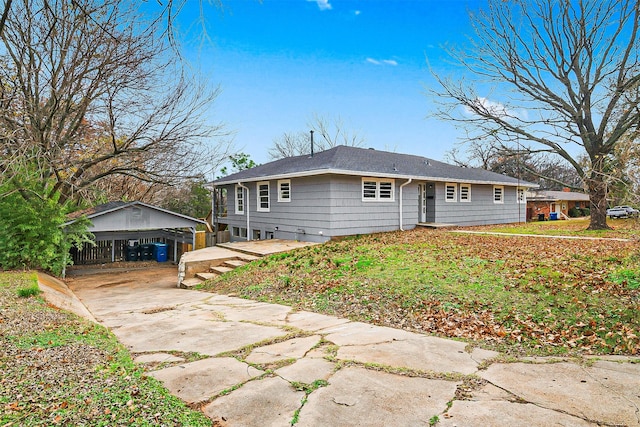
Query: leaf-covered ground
x=520 y=295
x=58 y=369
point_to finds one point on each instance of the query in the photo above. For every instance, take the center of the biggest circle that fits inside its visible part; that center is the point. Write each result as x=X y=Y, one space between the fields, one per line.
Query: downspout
x=408 y=182
x=246 y=204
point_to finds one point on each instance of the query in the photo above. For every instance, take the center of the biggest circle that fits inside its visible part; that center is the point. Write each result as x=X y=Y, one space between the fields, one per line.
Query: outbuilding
x=120 y=226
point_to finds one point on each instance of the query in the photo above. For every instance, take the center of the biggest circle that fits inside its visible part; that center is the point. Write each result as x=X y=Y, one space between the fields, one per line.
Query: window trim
x=280 y=198
x=468 y=187
x=378 y=181
x=454 y=196
x=259 y=207
x=239 y=209
x=501 y=199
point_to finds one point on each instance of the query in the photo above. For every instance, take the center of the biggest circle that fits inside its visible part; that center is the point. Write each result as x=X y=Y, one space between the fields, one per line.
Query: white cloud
x=323 y=4
x=357 y=12
x=382 y=61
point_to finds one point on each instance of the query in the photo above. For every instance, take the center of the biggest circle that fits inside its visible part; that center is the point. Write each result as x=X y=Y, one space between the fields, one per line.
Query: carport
x=117 y=224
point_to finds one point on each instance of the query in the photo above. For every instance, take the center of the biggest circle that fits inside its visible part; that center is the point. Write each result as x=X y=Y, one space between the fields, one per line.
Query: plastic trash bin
x=146 y=252
x=553 y=216
x=131 y=253
x=160 y=252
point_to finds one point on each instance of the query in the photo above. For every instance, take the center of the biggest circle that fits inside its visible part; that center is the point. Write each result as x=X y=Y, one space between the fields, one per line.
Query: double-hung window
x=450 y=192
x=263 y=196
x=284 y=190
x=498 y=194
x=522 y=197
x=239 y=200
x=374 y=189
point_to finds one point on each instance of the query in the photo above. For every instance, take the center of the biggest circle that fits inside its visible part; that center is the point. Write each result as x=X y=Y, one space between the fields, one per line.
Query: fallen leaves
x=516 y=293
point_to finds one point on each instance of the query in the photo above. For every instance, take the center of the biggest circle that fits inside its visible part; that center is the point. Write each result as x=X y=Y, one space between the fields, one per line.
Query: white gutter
x=408 y=182
x=246 y=205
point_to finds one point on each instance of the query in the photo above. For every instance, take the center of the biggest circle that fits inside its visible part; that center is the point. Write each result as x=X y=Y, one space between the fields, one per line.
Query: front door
x=423 y=202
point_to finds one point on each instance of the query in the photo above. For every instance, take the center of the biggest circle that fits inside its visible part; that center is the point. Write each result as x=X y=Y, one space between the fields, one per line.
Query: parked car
x=622 y=212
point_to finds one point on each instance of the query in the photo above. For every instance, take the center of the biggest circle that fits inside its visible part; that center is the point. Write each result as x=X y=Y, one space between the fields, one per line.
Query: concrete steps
x=216 y=270
x=220 y=269
x=190 y=283
x=206 y=276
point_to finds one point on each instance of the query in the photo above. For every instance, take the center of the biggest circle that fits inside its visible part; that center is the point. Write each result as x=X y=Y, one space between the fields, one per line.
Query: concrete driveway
x=247 y=363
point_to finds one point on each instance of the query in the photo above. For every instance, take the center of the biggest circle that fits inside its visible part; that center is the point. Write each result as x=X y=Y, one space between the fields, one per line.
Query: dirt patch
x=160 y=276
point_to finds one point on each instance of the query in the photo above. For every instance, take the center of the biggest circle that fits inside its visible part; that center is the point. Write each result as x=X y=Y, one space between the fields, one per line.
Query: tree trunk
x=598 y=198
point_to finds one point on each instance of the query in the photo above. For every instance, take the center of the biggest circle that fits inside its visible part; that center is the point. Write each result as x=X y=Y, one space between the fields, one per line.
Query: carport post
x=113 y=250
x=193 y=238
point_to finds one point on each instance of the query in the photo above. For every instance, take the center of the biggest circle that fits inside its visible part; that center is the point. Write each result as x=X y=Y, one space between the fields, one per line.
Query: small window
x=377 y=190
x=522 y=197
x=386 y=190
x=369 y=189
x=263 y=196
x=239 y=232
x=239 y=200
x=465 y=192
x=498 y=194
x=450 y=192
x=255 y=235
x=284 y=190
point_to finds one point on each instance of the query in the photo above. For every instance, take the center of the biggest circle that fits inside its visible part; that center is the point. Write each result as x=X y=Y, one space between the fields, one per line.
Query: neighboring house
x=116 y=225
x=347 y=190
x=560 y=202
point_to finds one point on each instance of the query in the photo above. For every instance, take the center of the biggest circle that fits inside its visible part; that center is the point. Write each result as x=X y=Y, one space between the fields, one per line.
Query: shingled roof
x=345 y=160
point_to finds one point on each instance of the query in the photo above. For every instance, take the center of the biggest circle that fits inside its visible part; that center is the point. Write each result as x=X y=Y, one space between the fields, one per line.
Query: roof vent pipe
x=311 y=132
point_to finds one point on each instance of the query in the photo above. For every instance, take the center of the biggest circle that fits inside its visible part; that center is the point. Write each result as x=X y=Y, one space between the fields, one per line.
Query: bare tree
x=566 y=69
x=290 y=144
x=89 y=92
x=329 y=132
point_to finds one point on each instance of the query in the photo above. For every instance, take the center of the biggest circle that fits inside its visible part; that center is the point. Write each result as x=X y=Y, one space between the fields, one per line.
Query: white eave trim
x=372 y=175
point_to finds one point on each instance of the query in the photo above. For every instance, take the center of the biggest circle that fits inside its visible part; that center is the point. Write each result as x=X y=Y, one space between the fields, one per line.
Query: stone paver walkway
x=247 y=363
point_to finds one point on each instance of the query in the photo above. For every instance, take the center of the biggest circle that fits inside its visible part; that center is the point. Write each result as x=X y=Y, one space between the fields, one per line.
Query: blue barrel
x=553 y=216
x=160 y=252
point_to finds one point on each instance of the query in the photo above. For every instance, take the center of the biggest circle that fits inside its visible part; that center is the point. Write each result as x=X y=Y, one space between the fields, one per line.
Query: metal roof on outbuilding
x=123 y=216
x=368 y=162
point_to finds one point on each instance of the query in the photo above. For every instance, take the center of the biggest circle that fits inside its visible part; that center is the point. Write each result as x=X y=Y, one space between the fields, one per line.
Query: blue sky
x=279 y=62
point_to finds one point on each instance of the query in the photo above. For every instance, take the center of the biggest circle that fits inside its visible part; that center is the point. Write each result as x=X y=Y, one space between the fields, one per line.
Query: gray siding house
x=346 y=190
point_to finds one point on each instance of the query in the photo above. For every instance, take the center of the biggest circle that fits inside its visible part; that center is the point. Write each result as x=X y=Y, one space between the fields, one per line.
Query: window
x=498 y=194
x=369 y=190
x=450 y=192
x=239 y=232
x=522 y=197
x=263 y=196
x=465 y=192
x=255 y=235
x=284 y=190
x=239 y=200
x=378 y=189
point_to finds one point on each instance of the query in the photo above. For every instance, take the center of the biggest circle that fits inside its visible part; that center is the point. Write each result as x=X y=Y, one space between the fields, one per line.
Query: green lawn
x=621 y=228
x=58 y=369
x=520 y=295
